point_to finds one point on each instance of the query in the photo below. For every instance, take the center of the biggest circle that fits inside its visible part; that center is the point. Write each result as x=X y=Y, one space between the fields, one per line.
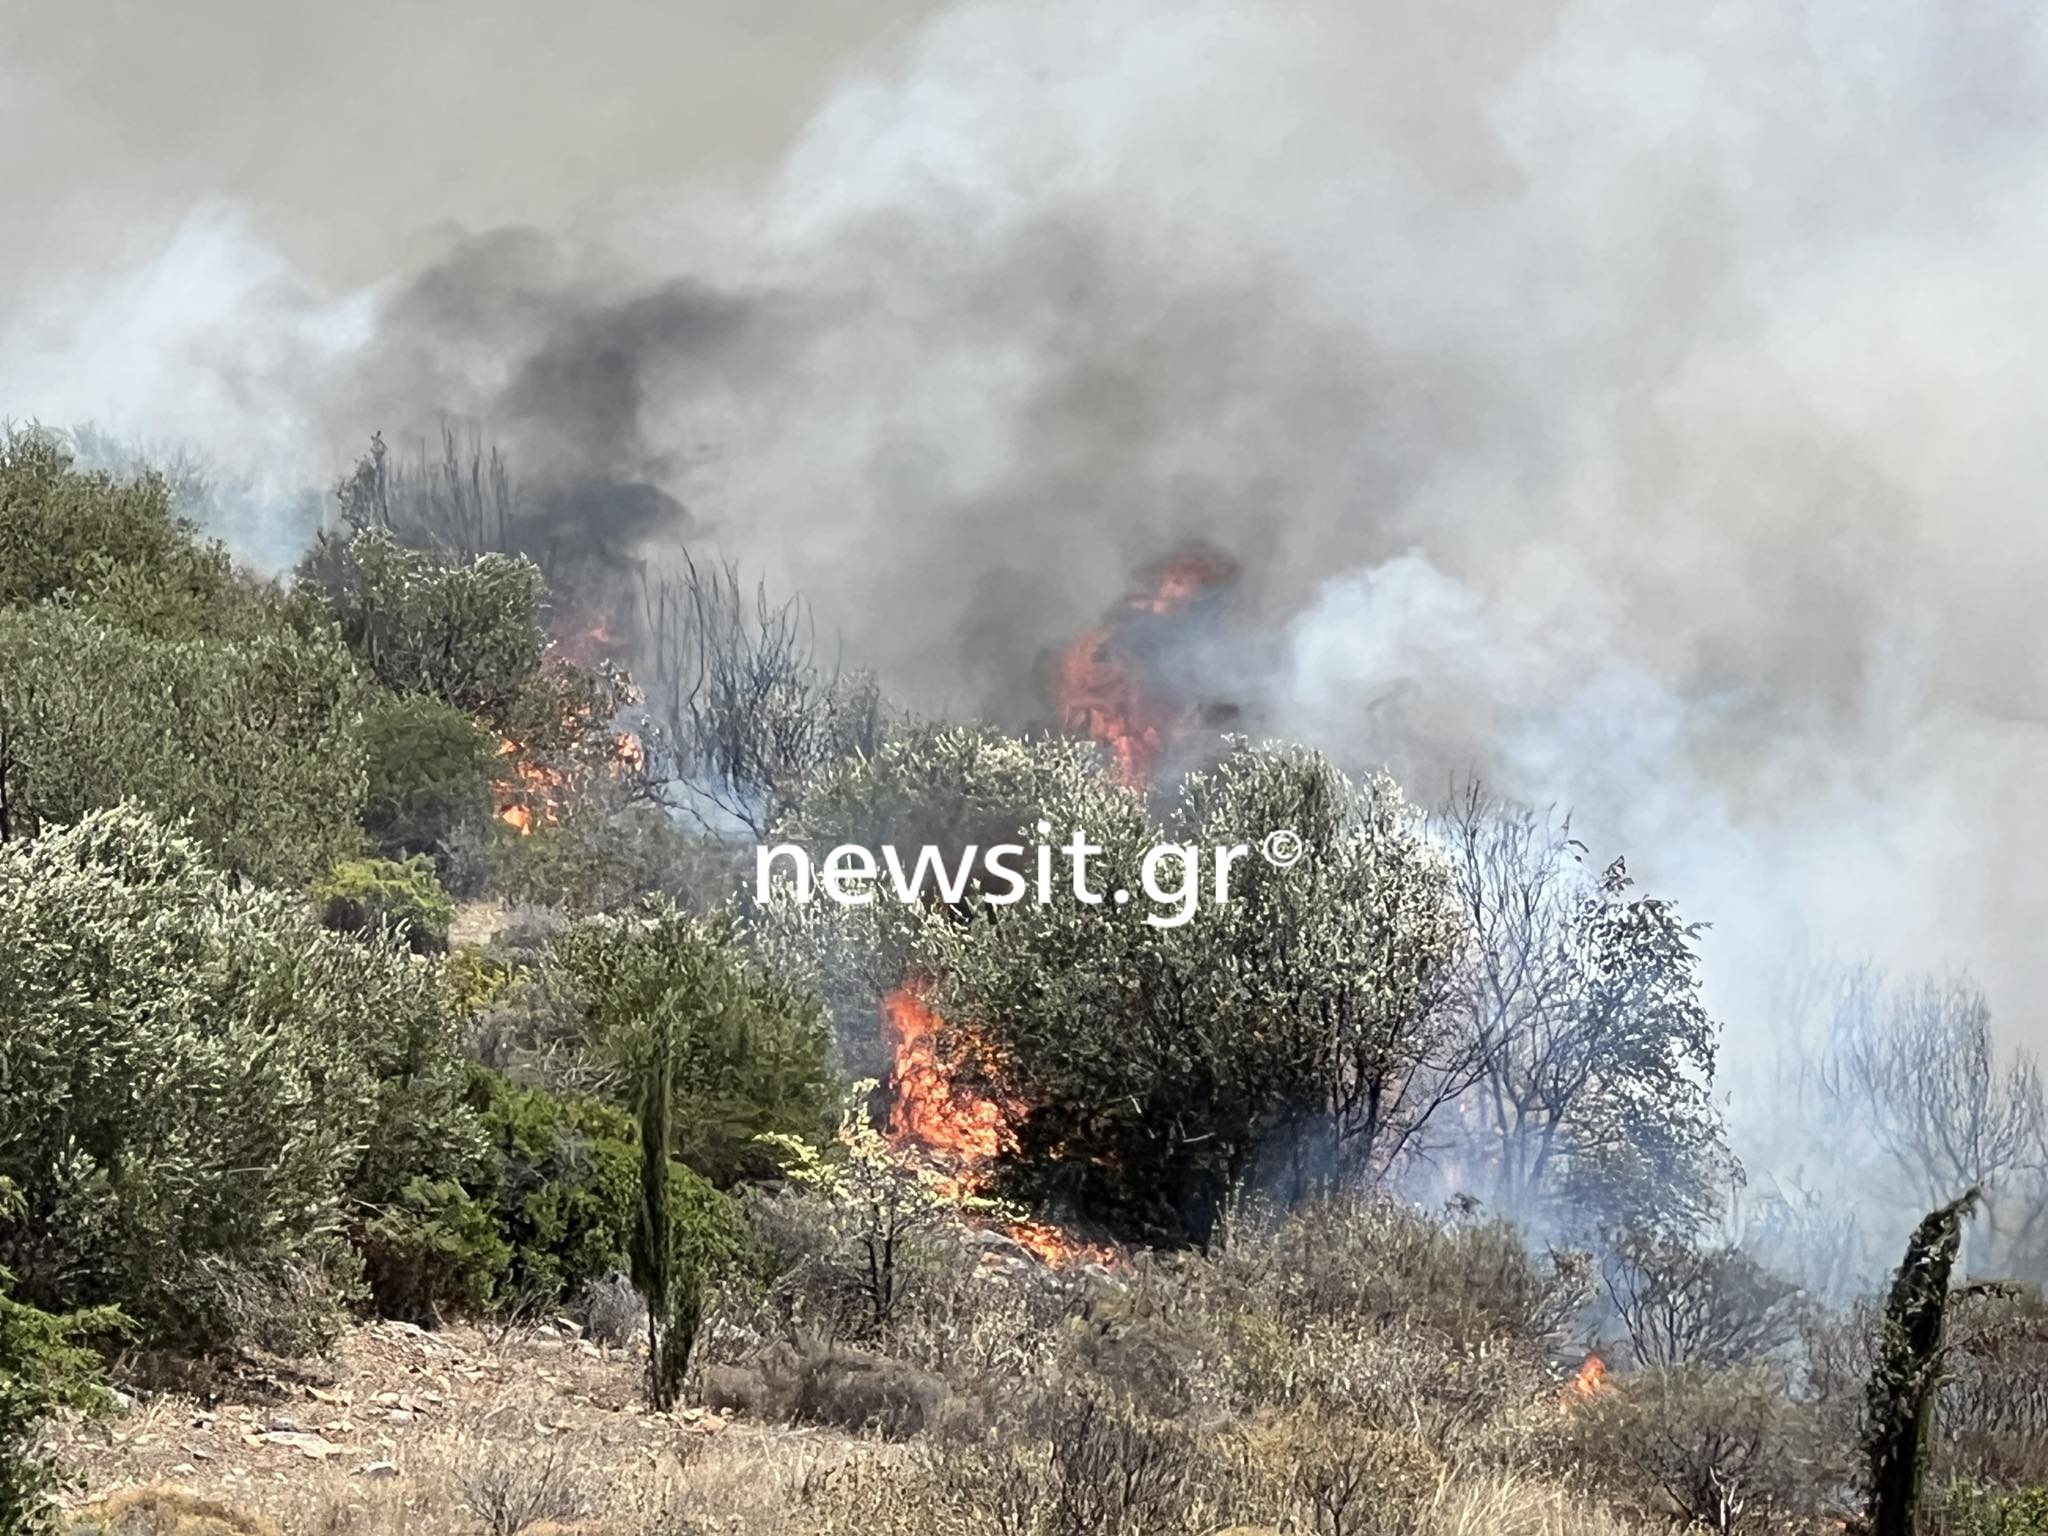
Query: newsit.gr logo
x=1175 y=878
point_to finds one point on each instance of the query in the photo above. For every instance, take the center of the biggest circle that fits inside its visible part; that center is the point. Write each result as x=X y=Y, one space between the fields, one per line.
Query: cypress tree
x=1903 y=1382
x=666 y=1273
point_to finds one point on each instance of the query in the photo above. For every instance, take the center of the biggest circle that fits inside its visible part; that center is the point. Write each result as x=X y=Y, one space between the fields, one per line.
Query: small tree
x=42 y=1369
x=882 y=1205
x=747 y=1052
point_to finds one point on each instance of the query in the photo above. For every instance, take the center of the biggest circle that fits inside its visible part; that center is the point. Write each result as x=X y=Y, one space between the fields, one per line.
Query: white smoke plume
x=1636 y=403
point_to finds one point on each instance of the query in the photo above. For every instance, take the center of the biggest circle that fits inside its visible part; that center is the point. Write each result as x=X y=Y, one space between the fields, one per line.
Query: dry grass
x=1347 y=1388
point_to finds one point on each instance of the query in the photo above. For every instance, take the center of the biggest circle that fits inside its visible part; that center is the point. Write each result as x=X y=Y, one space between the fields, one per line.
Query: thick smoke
x=1632 y=402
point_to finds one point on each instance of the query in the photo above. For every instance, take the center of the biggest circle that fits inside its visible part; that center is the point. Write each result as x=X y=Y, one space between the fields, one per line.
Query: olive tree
x=252 y=737
x=1148 y=1061
x=200 y=1090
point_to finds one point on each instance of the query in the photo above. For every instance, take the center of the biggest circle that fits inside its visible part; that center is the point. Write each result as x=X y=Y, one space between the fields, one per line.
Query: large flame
x=528 y=792
x=1100 y=693
x=926 y=1108
x=964 y=1132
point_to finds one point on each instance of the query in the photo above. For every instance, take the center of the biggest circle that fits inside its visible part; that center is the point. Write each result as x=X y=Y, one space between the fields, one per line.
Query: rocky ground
x=456 y=1430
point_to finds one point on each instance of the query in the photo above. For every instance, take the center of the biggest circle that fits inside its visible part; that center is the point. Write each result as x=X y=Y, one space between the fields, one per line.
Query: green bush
x=252 y=739
x=436 y=1252
x=751 y=1053
x=551 y=1206
x=565 y=1184
x=200 y=1088
x=1968 y=1510
x=429 y=769
x=66 y=530
x=43 y=1368
x=387 y=898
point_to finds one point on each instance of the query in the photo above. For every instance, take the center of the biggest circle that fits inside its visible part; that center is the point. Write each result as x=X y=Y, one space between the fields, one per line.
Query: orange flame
x=1590 y=1378
x=962 y=1131
x=1097 y=691
x=529 y=794
x=1054 y=1245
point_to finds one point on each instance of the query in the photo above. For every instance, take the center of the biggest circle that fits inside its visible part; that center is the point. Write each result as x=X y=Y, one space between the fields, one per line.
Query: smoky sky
x=1636 y=403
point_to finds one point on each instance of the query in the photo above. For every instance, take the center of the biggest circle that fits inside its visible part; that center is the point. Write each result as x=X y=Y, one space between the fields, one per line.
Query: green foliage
x=1153 y=1063
x=466 y=633
x=388 y=899
x=43 y=1367
x=469 y=633
x=944 y=787
x=435 y=1252
x=565 y=1184
x=748 y=1053
x=593 y=857
x=252 y=739
x=63 y=530
x=663 y=1270
x=1968 y=1510
x=198 y=1085
x=429 y=768
x=553 y=1203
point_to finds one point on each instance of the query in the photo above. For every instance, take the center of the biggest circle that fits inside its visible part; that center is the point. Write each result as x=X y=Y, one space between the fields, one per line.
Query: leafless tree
x=1599 y=1052
x=1684 y=1305
x=746 y=711
x=1917 y=1069
x=461 y=503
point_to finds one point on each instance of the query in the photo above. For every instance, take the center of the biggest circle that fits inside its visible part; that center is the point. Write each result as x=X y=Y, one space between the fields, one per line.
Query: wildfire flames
x=926 y=1108
x=962 y=1131
x=1590 y=1378
x=1098 y=689
x=528 y=791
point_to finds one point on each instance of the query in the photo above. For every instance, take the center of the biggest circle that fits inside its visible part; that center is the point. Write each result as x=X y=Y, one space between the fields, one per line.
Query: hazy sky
x=353 y=132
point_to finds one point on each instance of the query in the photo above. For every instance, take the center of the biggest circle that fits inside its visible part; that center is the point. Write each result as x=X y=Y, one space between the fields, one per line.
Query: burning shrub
x=1685 y=1305
x=745 y=715
x=875 y=1219
x=594 y=855
x=1733 y=1450
x=1152 y=1065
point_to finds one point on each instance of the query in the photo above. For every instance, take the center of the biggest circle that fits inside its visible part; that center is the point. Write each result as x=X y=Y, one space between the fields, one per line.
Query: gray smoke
x=1634 y=402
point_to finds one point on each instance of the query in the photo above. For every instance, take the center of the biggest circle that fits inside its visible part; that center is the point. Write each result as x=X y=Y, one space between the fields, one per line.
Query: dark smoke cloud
x=1636 y=402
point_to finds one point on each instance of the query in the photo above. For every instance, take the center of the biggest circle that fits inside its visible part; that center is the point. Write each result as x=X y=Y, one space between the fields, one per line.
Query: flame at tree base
x=962 y=1131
